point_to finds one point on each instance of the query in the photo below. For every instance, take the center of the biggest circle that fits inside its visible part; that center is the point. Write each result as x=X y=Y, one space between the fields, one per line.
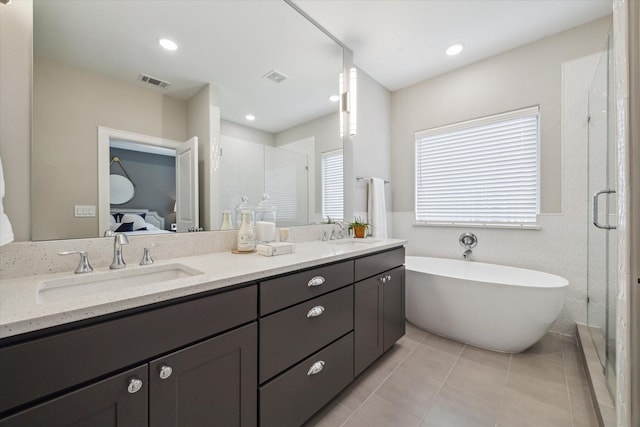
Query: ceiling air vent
x=276 y=76
x=153 y=81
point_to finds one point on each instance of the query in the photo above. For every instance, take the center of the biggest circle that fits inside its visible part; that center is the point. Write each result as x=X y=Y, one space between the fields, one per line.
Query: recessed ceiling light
x=250 y=117
x=334 y=98
x=168 y=44
x=455 y=49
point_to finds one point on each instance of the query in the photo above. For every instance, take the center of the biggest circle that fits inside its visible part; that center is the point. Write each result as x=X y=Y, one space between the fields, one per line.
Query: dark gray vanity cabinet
x=379 y=306
x=212 y=383
x=108 y=403
x=306 y=342
x=268 y=354
x=196 y=360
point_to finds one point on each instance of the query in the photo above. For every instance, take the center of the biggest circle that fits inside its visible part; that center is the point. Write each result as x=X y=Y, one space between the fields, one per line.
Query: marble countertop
x=22 y=311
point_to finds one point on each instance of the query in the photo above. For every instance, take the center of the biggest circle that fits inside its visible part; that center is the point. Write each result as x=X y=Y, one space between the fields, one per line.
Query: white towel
x=6 y=232
x=377 y=212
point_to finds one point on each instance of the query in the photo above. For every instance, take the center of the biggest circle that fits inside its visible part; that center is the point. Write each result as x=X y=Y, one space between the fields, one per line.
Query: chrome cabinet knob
x=135 y=384
x=316 y=281
x=315 y=311
x=316 y=368
x=383 y=279
x=165 y=372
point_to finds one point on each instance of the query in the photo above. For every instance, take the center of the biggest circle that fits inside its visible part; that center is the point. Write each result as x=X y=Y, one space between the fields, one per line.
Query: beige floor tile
x=444 y=344
x=582 y=412
x=519 y=410
x=488 y=358
x=366 y=383
x=332 y=415
x=549 y=346
x=538 y=390
x=413 y=385
x=483 y=381
x=537 y=367
x=415 y=333
x=456 y=408
x=377 y=412
x=410 y=390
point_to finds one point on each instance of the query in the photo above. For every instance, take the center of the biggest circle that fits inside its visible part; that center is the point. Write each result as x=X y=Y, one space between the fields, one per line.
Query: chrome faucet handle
x=118 y=260
x=83 y=266
x=324 y=236
x=146 y=258
x=333 y=235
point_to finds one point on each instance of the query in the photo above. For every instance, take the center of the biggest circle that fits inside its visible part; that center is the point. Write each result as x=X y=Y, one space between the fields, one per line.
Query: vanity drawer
x=37 y=368
x=287 y=290
x=375 y=264
x=295 y=396
x=291 y=335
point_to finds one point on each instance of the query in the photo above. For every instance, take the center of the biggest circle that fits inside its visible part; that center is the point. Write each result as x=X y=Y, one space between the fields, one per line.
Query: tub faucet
x=467 y=241
x=118 y=261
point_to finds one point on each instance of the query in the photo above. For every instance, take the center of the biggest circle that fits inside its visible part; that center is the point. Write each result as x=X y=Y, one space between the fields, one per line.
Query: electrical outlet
x=85 y=211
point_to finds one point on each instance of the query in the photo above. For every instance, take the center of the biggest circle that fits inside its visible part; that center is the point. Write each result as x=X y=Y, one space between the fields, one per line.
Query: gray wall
x=154 y=177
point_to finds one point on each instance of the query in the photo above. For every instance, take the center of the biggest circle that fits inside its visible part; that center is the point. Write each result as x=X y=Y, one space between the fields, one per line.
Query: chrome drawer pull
x=316 y=368
x=315 y=311
x=134 y=386
x=165 y=372
x=316 y=281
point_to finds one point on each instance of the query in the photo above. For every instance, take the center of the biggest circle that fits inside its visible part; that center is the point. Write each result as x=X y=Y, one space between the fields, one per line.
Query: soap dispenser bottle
x=246 y=236
x=226 y=220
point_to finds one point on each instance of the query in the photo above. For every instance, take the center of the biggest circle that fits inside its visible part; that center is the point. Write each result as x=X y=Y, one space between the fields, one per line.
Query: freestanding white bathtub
x=490 y=306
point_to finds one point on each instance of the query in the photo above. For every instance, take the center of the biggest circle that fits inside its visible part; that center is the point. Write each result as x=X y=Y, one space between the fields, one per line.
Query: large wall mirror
x=108 y=99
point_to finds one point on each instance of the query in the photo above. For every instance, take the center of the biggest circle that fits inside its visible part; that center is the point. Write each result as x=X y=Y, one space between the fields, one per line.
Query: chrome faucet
x=118 y=261
x=467 y=241
x=84 y=266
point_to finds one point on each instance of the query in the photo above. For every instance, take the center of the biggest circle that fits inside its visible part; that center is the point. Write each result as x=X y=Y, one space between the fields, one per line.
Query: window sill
x=477 y=225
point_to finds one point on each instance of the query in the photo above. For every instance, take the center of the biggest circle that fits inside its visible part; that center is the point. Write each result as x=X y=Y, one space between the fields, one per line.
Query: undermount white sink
x=95 y=283
x=352 y=241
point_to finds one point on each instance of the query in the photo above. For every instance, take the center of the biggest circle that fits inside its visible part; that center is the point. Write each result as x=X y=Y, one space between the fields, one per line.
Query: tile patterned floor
x=426 y=380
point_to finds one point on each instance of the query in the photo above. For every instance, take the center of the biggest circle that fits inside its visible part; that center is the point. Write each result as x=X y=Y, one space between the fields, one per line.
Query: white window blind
x=281 y=186
x=333 y=185
x=483 y=171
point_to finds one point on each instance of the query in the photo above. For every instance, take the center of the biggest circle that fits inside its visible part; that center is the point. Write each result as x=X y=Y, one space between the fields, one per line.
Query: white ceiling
x=231 y=44
x=402 y=42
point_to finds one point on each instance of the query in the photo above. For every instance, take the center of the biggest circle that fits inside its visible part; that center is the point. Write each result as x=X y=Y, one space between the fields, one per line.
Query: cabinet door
x=108 y=403
x=393 y=296
x=368 y=322
x=212 y=383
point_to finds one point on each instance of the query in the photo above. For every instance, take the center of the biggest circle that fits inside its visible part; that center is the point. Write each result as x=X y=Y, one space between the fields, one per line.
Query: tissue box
x=275 y=248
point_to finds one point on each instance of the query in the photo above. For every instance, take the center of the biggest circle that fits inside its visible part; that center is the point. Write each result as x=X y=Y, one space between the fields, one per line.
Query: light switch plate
x=85 y=211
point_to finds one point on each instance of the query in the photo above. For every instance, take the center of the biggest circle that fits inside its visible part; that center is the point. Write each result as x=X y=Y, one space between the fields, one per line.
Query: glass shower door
x=601 y=234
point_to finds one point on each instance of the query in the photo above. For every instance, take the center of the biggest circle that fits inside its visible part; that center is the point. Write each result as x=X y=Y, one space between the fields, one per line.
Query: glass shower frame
x=601 y=232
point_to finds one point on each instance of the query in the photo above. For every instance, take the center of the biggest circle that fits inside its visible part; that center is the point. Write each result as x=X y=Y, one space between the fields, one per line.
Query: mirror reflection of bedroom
x=150 y=186
x=147 y=202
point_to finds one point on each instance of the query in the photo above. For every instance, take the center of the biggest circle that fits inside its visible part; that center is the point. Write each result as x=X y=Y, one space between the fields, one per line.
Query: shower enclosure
x=601 y=232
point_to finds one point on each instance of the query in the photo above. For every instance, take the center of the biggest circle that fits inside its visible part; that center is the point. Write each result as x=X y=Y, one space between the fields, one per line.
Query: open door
x=187 y=186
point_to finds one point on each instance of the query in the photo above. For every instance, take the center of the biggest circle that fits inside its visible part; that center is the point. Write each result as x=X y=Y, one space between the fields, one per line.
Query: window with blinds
x=333 y=185
x=483 y=171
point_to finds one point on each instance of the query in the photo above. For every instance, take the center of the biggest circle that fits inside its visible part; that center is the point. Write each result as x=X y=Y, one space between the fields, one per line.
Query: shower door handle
x=595 y=210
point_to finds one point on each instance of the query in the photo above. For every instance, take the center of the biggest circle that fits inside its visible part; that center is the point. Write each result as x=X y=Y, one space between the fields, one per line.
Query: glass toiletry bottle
x=226 y=220
x=265 y=220
x=245 y=206
x=246 y=237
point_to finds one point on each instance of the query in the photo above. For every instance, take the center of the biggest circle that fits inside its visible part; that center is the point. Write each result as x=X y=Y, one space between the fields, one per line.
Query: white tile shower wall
x=560 y=246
